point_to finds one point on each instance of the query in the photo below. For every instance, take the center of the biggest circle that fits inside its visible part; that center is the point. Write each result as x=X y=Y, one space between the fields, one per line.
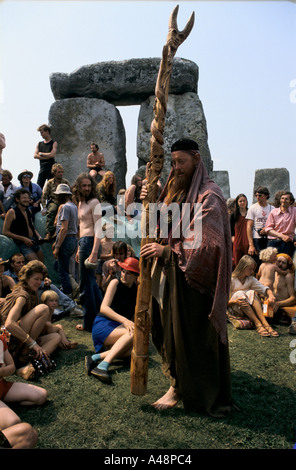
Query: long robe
x=190 y=291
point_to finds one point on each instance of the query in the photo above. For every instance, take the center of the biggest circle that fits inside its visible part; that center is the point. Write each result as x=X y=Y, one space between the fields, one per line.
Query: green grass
x=83 y=413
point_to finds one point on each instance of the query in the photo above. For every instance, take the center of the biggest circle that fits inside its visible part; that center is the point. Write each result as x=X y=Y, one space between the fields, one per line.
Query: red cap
x=130 y=264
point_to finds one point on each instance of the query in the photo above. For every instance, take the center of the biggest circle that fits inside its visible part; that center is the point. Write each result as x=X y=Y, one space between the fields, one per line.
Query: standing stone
x=75 y=123
x=275 y=179
x=184 y=118
x=221 y=178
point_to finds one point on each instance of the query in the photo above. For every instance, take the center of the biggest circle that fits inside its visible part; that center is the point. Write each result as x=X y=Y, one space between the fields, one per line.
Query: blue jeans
x=67 y=249
x=64 y=301
x=90 y=294
x=282 y=247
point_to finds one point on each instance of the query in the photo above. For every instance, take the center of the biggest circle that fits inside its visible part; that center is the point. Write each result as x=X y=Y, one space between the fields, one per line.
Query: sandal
x=80 y=327
x=271 y=331
x=262 y=331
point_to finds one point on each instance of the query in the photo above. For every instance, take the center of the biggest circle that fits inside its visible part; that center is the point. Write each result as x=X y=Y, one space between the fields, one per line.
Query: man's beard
x=178 y=188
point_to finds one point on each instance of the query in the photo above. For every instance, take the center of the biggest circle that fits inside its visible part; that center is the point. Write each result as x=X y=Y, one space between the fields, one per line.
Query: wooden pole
x=140 y=352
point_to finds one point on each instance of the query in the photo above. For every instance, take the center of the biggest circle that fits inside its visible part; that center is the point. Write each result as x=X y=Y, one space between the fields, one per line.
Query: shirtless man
x=89 y=244
x=18 y=225
x=283 y=287
x=95 y=161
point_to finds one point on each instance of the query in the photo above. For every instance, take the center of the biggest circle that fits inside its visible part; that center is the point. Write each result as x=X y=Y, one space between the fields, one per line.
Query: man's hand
x=251 y=250
x=286 y=238
x=152 y=249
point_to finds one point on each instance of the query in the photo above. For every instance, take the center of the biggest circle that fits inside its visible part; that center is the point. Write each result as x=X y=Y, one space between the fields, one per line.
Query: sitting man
x=8 y=189
x=19 y=226
x=96 y=162
x=283 y=287
x=67 y=306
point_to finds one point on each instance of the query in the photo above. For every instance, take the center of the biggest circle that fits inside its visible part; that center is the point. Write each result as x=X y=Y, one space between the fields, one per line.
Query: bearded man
x=190 y=289
x=283 y=287
x=84 y=192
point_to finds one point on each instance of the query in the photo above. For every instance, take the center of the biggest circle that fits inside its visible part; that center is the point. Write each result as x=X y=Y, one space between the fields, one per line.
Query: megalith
x=76 y=122
x=184 y=118
x=123 y=83
x=275 y=179
x=221 y=178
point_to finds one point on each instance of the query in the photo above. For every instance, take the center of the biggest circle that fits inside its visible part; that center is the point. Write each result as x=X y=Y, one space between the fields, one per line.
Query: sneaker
x=77 y=312
x=89 y=364
x=292 y=328
x=102 y=375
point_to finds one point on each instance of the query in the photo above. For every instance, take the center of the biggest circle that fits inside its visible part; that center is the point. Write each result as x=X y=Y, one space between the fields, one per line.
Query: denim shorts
x=27 y=250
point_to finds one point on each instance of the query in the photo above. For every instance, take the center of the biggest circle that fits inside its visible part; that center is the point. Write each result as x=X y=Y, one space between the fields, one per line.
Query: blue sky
x=246 y=57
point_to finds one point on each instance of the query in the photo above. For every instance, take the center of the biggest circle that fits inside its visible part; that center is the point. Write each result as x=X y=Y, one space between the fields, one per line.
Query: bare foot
x=27 y=372
x=169 y=400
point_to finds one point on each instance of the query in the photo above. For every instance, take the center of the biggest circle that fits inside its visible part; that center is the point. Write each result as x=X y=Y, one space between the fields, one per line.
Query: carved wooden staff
x=140 y=356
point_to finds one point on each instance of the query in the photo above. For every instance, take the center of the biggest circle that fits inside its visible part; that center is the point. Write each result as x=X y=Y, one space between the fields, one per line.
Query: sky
x=245 y=51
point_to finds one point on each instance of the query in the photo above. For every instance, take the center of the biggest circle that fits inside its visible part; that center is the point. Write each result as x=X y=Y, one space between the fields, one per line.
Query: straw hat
x=25 y=172
x=3 y=261
x=63 y=189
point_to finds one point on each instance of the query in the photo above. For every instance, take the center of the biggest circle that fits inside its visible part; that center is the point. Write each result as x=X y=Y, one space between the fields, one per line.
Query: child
x=268 y=268
x=50 y=298
x=106 y=253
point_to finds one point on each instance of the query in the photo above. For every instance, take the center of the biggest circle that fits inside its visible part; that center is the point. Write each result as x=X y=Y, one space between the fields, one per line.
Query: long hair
x=76 y=188
x=134 y=181
x=236 y=212
x=243 y=263
x=29 y=270
x=109 y=188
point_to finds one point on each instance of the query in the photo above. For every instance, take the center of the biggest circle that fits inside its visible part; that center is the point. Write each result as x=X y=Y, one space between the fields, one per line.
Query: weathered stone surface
x=221 y=178
x=8 y=248
x=275 y=179
x=127 y=82
x=184 y=118
x=76 y=122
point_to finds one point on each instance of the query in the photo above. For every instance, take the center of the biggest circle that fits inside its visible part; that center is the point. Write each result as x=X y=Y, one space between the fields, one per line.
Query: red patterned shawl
x=207 y=268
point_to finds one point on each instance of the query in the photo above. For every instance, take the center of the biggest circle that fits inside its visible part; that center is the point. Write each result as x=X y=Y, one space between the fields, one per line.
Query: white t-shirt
x=259 y=216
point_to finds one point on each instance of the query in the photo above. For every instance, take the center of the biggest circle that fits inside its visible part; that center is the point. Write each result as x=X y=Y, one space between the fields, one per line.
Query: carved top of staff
x=173 y=41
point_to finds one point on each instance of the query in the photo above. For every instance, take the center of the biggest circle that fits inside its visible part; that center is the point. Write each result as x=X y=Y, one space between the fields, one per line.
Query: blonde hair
x=49 y=295
x=243 y=263
x=266 y=254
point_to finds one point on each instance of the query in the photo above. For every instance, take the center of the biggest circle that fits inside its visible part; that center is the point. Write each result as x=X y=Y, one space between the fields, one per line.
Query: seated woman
x=113 y=327
x=25 y=320
x=106 y=189
x=13 y=433
x=244 y=301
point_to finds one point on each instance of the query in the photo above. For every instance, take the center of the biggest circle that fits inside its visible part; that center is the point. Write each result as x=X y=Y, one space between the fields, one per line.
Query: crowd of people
x=241 y=271
x=263 y=239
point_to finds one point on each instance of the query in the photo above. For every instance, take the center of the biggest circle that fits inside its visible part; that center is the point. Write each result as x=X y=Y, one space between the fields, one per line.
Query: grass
x=83 y=413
